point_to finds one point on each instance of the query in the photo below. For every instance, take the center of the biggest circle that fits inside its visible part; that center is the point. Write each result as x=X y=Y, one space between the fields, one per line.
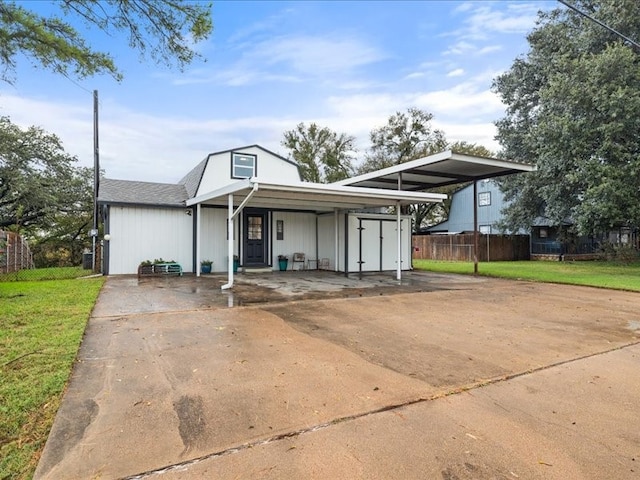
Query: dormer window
x=243 y=165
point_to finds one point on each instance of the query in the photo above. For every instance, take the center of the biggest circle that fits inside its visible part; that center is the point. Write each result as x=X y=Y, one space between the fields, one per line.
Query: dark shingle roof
x=141 y=193
x=191 y=180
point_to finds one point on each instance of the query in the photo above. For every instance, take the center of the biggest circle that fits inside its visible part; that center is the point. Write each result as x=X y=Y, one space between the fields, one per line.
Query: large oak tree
x=408 y=136
x=322 y=155
x=573 y=109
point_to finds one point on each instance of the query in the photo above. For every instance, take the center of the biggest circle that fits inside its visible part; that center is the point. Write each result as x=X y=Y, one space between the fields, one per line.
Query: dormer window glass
x=243 y=165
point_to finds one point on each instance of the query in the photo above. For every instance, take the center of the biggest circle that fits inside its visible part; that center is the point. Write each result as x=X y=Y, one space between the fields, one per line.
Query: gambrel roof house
x=251 y=203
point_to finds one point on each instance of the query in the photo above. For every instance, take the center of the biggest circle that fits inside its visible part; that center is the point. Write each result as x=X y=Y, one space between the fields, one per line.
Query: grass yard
x=41 y=326
x=595 y=274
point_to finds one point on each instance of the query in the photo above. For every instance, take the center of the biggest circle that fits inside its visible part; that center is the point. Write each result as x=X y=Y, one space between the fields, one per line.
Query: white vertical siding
x=299 y=235
x=327 y=239
x=371 y=242
x=390 y=245
x=213 y=238
x=370 y=245
x=139 y=234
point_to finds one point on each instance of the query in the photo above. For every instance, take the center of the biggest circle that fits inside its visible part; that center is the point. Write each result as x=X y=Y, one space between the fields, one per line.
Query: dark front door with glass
x=255 y=238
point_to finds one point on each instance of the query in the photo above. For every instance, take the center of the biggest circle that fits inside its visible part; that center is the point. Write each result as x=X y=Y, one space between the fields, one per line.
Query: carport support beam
x=198 y=235
x=336 y=240
x=475 y=227
x=398 y=225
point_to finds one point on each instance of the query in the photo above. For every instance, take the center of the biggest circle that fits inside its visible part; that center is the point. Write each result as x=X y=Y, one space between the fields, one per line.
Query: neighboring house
x=274 y=213
x=546 y=238
x=490 y=204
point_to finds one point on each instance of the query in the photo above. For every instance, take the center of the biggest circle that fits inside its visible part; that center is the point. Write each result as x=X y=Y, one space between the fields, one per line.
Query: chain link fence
x=17 y=262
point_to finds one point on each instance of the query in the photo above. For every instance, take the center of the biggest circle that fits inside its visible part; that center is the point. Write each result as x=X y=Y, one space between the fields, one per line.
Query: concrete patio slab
x=459 y=378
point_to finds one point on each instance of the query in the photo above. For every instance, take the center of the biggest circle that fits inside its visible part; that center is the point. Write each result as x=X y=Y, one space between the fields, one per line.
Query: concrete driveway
x=314 y=375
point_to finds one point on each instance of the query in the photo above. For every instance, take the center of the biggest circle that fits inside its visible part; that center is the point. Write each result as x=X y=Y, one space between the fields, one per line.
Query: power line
x=624 y=37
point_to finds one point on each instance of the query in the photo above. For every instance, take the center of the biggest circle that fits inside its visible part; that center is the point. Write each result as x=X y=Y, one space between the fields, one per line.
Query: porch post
x=198 y=228
x=398 y=226
x=230 y=239
x=335 y=228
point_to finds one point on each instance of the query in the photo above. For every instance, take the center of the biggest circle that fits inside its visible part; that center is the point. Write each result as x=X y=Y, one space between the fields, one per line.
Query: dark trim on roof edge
x=239 y=150
x=142 y=205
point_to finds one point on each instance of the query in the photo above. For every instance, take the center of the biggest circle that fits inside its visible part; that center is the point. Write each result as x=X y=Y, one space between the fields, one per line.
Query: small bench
x=168 y=268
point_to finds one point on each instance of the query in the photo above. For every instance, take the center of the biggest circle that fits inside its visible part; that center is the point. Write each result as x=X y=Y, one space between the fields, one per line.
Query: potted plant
x=145 y=268
x=205 y=266
x=283 y=260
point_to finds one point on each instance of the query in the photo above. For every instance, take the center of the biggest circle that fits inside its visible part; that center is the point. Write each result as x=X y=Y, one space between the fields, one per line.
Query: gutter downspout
x=230 y=240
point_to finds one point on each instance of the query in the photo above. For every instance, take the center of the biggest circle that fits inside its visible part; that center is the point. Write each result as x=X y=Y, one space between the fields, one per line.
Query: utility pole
x=96 y=179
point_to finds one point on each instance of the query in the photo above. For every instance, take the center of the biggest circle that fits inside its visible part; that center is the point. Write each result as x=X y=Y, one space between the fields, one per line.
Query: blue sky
x=272 y=65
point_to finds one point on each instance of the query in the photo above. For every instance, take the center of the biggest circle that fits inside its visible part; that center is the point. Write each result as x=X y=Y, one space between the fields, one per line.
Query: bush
x=619 y=252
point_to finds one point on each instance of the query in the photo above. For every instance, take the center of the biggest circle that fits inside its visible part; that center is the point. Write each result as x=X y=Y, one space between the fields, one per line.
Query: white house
x=252 y=204
x=272 y=211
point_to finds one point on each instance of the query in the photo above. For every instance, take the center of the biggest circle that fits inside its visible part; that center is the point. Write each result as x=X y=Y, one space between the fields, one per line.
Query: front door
x=255 y=238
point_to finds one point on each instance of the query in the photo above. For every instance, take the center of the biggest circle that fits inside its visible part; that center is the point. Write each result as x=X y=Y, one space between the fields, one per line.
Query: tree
x=323 y=155
x=573 y=108
x=43 y=195
x=406 y=136
x=409 y=136
x=164 y=30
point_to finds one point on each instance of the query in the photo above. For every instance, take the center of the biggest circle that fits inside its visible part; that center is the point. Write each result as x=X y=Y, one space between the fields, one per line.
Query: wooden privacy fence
x=15 y=253
x=460 y=247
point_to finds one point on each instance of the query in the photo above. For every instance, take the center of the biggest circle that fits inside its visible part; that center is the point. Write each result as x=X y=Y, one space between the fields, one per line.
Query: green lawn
x=41 y=326
x=596 y=274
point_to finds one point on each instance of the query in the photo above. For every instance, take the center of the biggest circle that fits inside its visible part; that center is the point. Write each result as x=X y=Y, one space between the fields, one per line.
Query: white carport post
x=399 y=234
x=335 y=229
x=398 y=225
x=198 y=234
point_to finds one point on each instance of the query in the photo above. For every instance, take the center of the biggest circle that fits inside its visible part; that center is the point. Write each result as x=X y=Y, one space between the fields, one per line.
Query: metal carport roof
x=311 y=196
x=438 y=170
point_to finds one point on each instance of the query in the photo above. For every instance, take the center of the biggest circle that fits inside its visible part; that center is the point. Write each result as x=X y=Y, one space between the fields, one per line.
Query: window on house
x=279 y=229
x=484 y=199
x=243 y=165
x=254 y=228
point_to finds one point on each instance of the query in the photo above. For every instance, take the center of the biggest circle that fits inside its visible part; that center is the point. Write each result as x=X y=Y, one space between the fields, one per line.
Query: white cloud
x=291 y=58
x=456 y=73
x=138 y=146
x=481 y=133
x=464 y=101
x=414 y=75
x=484 y=18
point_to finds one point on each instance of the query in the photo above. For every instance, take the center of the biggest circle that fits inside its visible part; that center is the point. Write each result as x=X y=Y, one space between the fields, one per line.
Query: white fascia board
x=438 y=157
x=358 y=192
x=324 y=189
x=246 y=184
x=493 y=162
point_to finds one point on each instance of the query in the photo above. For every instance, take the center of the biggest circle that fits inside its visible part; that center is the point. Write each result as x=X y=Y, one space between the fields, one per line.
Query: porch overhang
x=312 y=196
